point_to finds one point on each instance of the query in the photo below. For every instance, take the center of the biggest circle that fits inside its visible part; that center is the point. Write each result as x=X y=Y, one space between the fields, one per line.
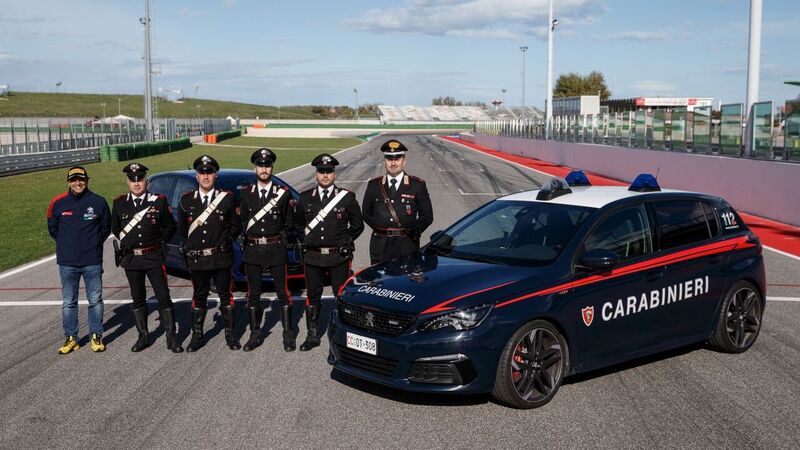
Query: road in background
x=269 y=398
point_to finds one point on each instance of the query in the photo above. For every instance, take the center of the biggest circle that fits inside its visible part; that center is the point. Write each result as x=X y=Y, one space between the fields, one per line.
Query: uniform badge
x=408 y=210
x=588 y=315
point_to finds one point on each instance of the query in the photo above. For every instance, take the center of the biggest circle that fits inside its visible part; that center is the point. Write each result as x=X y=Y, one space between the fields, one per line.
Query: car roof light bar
x=645 y=182
x=556 y=187
x=577 y=178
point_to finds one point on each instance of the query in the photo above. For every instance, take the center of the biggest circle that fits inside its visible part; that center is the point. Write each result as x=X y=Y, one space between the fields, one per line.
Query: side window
x=160 y=185
x=624 y=232
x=711 y=218
x=183 y=185
x=681 y=222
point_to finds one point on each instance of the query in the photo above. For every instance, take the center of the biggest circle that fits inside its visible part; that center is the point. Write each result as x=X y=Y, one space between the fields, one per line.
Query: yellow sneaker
x=70 y=345
x=97 y=343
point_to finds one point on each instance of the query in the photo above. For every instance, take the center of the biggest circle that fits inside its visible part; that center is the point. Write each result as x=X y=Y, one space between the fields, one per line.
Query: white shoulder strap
x=261 y=212
x=324 y=212
x=201 y=219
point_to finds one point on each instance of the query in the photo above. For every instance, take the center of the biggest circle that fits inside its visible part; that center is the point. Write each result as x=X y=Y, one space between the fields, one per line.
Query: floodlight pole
x=119 y=106
x=523 y=48
x=548 y=122
x=356 y=92
x=148 y=84
x=753 y=54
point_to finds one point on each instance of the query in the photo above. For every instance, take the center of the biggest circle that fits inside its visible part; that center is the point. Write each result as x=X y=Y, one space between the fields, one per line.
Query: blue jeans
x=93 y=282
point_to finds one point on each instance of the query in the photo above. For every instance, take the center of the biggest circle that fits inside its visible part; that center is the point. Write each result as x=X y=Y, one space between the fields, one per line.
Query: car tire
x=739 y=320
x=528 y=379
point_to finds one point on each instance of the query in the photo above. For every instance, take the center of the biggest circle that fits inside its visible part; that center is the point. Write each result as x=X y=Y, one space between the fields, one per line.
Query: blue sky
x=395 y=52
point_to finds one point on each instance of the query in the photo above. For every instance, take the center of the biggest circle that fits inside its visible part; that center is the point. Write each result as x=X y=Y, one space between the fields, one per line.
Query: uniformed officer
x=266 y=216
x=396 y=206
x=208 y=220
x=332 y=220
x=143 y=223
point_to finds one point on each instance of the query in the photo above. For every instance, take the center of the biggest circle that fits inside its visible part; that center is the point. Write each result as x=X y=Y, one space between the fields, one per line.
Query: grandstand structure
x=454 y=114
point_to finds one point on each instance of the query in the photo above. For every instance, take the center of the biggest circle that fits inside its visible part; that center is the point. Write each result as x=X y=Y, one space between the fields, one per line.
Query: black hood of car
x=424 y=283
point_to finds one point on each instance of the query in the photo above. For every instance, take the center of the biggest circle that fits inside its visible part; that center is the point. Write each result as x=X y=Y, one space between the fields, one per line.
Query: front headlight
x=463 y=319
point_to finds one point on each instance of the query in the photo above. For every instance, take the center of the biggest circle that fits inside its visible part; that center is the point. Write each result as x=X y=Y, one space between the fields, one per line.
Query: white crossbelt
x=324 y=212
x=261 y=212
x=137 y=217
x=200 y=220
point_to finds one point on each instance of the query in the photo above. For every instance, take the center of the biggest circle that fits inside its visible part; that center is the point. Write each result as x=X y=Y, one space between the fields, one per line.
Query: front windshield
x=512 y=232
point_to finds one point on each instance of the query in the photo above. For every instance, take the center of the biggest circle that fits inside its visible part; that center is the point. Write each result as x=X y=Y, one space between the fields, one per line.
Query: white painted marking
x=152 y=301
x=493 y=194
x=27 y=266
x=783 y=299
x=795 y=257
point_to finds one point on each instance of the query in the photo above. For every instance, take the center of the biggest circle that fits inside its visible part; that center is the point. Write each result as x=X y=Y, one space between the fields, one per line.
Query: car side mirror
x=436 y=235
x=598 y=260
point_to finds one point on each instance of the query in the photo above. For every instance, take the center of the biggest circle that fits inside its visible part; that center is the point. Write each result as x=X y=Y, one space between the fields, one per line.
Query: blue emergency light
x=645 y=182
x=577 y=178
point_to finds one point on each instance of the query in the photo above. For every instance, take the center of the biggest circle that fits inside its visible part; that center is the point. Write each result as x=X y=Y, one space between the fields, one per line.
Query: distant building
x=653 y=103
x=576 y=106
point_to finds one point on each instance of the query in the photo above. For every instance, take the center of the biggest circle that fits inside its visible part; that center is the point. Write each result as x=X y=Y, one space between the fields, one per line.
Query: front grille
x=373 y=319
x=365 y=361
x=436 y=373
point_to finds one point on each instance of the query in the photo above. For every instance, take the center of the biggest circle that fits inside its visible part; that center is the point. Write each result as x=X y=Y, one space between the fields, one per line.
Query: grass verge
x=24 y=198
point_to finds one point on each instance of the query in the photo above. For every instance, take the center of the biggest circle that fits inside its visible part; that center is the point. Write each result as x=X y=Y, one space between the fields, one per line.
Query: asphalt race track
x=693 y=397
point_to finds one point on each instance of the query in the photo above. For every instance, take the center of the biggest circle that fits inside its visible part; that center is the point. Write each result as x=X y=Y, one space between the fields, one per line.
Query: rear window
x=681 y=222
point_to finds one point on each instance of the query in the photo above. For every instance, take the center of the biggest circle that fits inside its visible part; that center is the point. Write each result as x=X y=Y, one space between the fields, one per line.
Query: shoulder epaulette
x=416 y=178
x=120 y=197
x=376 y=178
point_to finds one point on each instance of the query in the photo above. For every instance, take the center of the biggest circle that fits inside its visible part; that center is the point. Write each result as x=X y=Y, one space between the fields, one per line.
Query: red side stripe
x=341 y=288
x=53 y=202
x=308 y=302
x=286 y=283
x=443 y=306
x=685 y=255
x=248 y=287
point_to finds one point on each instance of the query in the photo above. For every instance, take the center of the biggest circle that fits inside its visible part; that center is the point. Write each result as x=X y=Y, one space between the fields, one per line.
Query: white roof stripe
x=590 y=197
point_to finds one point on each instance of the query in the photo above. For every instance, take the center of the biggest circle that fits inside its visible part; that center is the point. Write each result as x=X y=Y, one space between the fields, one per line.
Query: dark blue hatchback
x=540 y=285
x=174 y=184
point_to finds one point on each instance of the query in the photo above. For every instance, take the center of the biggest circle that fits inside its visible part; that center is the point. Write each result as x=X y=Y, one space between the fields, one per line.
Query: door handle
x=654 y=275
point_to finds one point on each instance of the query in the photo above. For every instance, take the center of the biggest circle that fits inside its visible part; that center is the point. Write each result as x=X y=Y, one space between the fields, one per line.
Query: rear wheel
x=532 y=366
x=739 y=321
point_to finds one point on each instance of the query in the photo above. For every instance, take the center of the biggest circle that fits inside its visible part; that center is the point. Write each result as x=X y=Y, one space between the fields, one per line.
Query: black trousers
x=201 y=282
x=279 y=277
x=158 y=279
x=315 y=279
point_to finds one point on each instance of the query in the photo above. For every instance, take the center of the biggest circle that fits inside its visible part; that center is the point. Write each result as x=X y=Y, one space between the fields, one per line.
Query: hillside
x=35 y=104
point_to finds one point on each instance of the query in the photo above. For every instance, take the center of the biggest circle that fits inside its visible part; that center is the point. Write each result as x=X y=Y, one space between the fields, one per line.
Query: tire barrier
x=219 y=137
x=132 y=151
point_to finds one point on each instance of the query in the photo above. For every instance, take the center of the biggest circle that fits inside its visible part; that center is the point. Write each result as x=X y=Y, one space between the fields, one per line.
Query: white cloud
x=499 y=19
x=644 y=36
x=230 y=3
x=5 y=57
x=654 y=88
x=189 y=12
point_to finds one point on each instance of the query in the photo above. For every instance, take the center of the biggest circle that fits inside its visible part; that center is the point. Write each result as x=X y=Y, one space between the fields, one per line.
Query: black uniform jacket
x=341 y=227
x=275 y=223
x=216 y=232
x=156 y=227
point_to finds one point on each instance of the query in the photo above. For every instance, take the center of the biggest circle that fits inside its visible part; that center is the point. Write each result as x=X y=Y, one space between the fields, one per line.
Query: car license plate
x=362 y=344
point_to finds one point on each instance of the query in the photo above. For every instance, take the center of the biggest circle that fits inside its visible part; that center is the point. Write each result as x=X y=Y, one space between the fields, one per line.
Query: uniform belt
x=322 y=250
x=276 y=239
x=392 y=232
x=146 y=250
x=203 y=252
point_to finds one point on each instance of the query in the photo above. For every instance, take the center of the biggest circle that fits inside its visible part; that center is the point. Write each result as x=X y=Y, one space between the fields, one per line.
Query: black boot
x=198 y=318
x=256 y=313
x=288 y=330
x=228 y=313
x=312 y=323
x=168 y=322
x=140 y=319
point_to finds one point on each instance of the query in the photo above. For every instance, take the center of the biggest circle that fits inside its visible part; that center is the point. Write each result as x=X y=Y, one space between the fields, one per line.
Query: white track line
x=295 y=299
x=783 y=299
x=493 y=194
x=548 y=175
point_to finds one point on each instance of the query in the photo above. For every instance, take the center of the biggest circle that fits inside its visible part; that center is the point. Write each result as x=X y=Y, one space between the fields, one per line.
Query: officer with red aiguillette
x=208 y=220
x=396 y=206
x=266 y=211
x=143 y=223
x=333 y=222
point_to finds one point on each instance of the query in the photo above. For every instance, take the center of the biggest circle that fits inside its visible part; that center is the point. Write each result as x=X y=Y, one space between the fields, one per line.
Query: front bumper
x=430 y=361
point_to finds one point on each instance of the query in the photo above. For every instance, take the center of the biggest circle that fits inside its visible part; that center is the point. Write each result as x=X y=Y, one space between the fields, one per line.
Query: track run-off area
x=691 y=397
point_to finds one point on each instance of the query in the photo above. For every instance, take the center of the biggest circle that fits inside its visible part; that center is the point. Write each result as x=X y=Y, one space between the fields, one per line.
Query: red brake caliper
x=516 y=374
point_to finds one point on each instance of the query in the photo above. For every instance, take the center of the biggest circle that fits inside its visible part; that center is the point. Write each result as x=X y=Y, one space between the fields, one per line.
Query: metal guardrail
x=30 y=162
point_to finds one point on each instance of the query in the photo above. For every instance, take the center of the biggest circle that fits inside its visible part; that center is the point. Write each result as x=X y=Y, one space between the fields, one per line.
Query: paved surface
x=693 y=397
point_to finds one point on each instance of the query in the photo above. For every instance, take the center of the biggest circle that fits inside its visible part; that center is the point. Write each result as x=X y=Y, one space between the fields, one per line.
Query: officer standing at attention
x=79 y=221
x=396 y=206
x=266 y=216
x=143 y=223
x=332 y=220
x=208 y=220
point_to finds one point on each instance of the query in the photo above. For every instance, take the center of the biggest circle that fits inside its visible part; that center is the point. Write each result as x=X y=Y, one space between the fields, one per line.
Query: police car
x=539 y=285
x=174 y=184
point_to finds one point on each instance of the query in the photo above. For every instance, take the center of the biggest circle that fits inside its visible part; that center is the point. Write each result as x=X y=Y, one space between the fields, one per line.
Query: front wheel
x=739 y=321
x=532 y=366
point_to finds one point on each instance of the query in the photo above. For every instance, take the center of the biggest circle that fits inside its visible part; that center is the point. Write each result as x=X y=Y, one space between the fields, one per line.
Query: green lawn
x=24 y=198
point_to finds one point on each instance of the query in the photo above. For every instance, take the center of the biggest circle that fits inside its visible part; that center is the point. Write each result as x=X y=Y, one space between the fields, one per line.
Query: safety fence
x=700 y=130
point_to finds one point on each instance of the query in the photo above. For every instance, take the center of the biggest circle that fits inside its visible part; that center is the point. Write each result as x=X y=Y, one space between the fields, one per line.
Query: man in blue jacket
x=79 y=220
